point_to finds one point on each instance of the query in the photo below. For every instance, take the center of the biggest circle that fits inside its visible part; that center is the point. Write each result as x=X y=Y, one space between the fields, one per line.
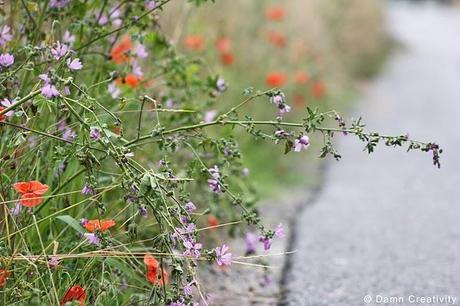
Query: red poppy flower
x=277 y=39
x=212 y=220
x=299 y=100
x=2 y=117
x=275 y=79
x=153 y=269
x=31 y=192
x=99 y=225
x=224 y=45
x=120 y=51
x=227 y=58
x=319 y=90
x=194 y=42
x=131 y=80
x=75 y=293
x=4 y=274
x=301 y=78
x=275 y=13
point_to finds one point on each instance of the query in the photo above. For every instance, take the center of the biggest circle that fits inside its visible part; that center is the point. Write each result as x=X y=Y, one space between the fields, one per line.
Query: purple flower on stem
x=250 y=243
x=68 y=38
x=95 y=134
x=267 y=242
x=141 y=51
x=74 y=64
x=6 y=60
x=278 y=99
x=49 y=91
x=221 y=85
x=150 y=4
x=223 y=257
x=188 y=289
x=5 y=35
x=143 y=211
x=16 y=210
x=209 y=116
x=53 y=262
x=282 y=109
x=303 y=142
x=7 y=103
x=192 y=248
x=279 y=231
x=58 y=3
x=59 y=50
x=190 y=207
x=87 y=190
x=214 y=183
x=92 y=238
x=113 y=90
x=69 y=134
x=137 y=70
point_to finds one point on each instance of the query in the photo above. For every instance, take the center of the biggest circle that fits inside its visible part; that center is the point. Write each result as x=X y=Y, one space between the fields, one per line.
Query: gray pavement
x=388 y=225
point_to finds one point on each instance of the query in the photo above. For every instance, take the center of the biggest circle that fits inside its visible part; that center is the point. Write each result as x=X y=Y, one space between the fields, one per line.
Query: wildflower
x=318 y=89
x=250 y=243
x=194 y=42
x=150 y=4
x=99 y=225
x=7 y=103
x=87 y=190
x=69 y=134
x=75 y=293
x=223 y=45
x=49 y=91
x=227 y=58
x=281 y=134
x=53 y=262
x=137 y=70
x=192 y=248
x=119 y=51
x=267 y=242
x=4 y=275
x=153 y=268
x=209 y=116
x=31 y=192
x=303 y=142
x=275 y=79
x=282 y=109
x=188 y=289
x=58 y=3
x=275 y=13
x=141 y=51
x=221 y=85
x=16 y=210
x=92 y=238
x=6 y=60
x=5 y=35
x=95 y=134
x=59 y=50
x=277 y=39
x=278 y=99
x=222 y=257
x=74 y=64
x=301 y=78
x=143 y=211
x=68 y=38
x=190 y=207
x=113 y=90
x=212 y=221
x=66 y=91
x=214 y=185
x=279 y=231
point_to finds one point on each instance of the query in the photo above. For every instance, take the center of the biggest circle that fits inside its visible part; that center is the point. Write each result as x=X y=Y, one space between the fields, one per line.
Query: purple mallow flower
x=92 y=238
x=303 y=142
x=250 y=243
x=59 y=50
x=54 y=261
x=150 y=4
x=87 y=190
x=74 y=64
x=221 y=85
x=190 y=207
x=95 y=134
x=192 y=248
x=267 y=242
x=16 y=210
x=141 y=51
x=280 y=102
x=188 y=289
x=143 y=211
x=58 y=3
x=209 y=116
x=5 y=35
x=223 y=258
x=50 y=91
x=214 y=183
x=279 y=231
x=113 y=90
x=6 y=60
x=7 y=103
x=137 y=70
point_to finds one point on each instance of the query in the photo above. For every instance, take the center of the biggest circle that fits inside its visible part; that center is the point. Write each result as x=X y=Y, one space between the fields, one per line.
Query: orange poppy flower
x=275 y=13
x=153 y=267
x=99 y=225
x=194 y=42
x=275 y=79
x=301 y=78
x=212 y=220
x=277 y=39
x=227 y=58
x=2 y=117
x=4 y=274
x=319 y=90
x=131 y=80
x=119 y=52
x=223 y=45
x=31 y=192
x=75 y=293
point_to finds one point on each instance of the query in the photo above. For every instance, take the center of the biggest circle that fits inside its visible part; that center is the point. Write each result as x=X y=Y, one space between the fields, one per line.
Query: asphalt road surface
x=388 y=225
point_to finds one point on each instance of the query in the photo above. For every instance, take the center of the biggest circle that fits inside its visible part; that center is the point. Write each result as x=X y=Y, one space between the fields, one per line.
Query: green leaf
x=72 y=223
